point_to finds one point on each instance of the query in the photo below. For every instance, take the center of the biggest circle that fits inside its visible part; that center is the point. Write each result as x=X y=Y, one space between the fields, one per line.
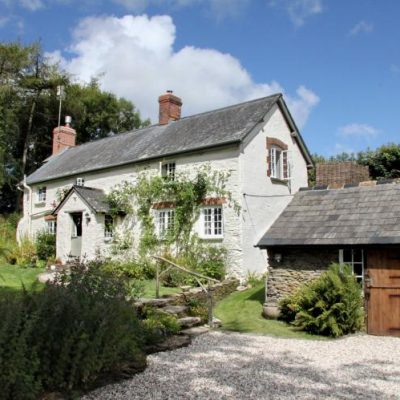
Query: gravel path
x=238 y=366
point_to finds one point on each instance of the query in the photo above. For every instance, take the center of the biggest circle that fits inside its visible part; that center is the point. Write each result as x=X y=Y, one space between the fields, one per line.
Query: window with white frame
x=52 y=227
x=354 y=258
x=168 y=170
x=211 y=222
x=165 y=222
x=80 y=181
x=41 y=194
x=278 y=163
x=108 y=226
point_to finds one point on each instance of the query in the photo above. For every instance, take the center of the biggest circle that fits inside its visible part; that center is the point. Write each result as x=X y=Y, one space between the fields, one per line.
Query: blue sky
x=337 y=61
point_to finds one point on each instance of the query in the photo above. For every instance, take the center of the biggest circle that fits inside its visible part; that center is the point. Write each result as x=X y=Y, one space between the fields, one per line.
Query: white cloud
x=299 y=10
x=361 y=27
x=360 y=130
x=134 y=57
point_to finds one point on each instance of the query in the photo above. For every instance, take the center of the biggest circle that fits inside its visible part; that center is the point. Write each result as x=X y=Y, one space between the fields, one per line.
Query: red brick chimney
x=63 y=137
x=170 y=108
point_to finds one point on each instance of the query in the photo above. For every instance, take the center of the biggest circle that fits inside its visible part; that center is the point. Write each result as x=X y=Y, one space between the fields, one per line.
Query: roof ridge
x=370 y=183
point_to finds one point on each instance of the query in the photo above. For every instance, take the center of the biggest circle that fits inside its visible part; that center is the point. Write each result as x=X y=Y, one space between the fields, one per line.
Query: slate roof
x=209 y=129
x=352 y=216
x=95 y=198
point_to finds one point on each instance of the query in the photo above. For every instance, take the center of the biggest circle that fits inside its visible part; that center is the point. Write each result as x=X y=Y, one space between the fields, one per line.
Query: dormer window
x=168 y=170
x=80 y=181
x=41 y=194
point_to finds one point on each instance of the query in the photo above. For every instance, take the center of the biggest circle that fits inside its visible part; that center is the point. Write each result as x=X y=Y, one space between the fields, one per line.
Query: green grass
x=241 y=312
x=149 y=289
x=14 y=277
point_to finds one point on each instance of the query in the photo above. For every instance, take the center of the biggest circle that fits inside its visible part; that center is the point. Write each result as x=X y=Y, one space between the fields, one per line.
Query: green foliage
x=158 y=325
x=23 y=254
x=45 y=245
x=67 y=335
x=331 y=305
x=131 y=269
x=8 y=225
x=383 y=163
x=29 y=112
x=198 y=308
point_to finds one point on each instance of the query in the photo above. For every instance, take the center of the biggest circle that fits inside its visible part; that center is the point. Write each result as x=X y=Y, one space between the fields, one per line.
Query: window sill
x=108 y=240
x=280 y=181
x=40 y=203
x=215 y=238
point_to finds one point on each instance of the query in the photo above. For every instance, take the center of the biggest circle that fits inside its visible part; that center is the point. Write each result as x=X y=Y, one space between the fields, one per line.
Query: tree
x=29 y=112
x=383 y=163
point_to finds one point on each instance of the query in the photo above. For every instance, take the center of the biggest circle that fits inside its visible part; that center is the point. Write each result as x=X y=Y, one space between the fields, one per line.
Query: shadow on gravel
x=241 y=369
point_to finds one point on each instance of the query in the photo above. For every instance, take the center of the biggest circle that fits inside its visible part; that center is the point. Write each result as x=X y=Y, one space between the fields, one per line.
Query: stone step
x=195 y=331
x=153 y=302
x=171 y=343
x=179 y=311
x=189 y=322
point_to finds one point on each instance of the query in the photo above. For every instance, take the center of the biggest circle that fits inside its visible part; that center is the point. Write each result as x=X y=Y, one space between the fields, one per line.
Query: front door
x=382 y=290
x=76 y=234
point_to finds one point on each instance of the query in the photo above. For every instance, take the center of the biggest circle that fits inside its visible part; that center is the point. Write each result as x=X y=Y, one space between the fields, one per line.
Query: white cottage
x=256 y=141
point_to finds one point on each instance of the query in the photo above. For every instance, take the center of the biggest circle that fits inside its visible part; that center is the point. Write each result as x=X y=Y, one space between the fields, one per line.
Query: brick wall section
x=63 y=137
x=297 y=266
x=334 y=174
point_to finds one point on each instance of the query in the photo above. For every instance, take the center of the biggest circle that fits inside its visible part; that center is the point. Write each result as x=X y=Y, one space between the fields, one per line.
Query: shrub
x=158 y=325
x=132 y=269
x=45 y=245
x=66 y=336
x=23 y=254
x=331 y=305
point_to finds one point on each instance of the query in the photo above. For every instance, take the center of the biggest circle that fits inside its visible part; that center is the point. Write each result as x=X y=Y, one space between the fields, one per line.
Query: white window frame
x=352 y=262
x=168 y=170
x=51 y=227
x=276 y=156
x=108 y=233
x=209 y=217
x=41 y=194
x=80 y=181
x=164 y=221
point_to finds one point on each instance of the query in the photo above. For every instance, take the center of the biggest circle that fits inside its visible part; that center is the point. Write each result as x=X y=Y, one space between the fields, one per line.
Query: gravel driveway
x=238 y=366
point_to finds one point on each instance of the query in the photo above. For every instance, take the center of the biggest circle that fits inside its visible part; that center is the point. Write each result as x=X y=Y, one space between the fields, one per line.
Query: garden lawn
x=14 y=277
x=241 y=312
x=149 y=289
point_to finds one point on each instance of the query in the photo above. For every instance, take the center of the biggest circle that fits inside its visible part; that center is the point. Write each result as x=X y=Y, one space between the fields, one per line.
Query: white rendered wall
x=262 y=199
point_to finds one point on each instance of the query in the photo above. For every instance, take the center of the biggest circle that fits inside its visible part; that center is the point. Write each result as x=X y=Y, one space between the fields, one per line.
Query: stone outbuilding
x=358 y=225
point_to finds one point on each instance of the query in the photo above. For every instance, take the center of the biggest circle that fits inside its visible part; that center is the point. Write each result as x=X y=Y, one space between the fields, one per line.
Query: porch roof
x=361 y=215
x=96 y=199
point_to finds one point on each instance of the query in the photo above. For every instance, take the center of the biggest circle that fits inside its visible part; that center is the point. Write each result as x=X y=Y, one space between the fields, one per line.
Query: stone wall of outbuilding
x=297 y=266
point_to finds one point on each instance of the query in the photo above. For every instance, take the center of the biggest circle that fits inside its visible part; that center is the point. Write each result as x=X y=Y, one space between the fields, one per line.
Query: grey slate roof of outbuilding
x=360 y=215
x=96 y=199
x=209 y=129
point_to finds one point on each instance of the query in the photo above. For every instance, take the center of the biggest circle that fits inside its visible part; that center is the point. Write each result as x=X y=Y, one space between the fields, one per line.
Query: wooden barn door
x=382 y=291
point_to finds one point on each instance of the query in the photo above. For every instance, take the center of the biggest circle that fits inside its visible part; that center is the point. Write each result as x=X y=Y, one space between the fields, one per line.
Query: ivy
x=185 y=194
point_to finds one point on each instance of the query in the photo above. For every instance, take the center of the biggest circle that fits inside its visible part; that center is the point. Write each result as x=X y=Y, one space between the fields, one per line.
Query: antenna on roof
x=60 y=95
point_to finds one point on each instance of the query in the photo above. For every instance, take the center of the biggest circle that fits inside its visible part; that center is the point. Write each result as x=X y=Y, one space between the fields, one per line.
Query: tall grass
x=8 y=228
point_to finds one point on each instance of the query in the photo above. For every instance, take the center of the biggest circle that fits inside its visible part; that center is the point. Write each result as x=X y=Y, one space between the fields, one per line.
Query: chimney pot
x=170 y=107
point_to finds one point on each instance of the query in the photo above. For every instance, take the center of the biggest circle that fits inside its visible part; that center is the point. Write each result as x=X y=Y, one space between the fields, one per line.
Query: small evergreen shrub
x=45 y=245
x=68 y=335
x=158 y=326
x=331 y=305
x=133 y=269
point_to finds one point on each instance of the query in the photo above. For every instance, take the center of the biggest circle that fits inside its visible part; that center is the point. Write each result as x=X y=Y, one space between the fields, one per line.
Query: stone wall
x=219 y=291
x=296 y=267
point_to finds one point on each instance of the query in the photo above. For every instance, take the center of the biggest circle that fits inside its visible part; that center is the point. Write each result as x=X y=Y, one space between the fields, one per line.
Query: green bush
x=45 y=245
x=331 y=305
x=158 y=326
x=133 y=269
x=66 y=336
x=23 y=254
